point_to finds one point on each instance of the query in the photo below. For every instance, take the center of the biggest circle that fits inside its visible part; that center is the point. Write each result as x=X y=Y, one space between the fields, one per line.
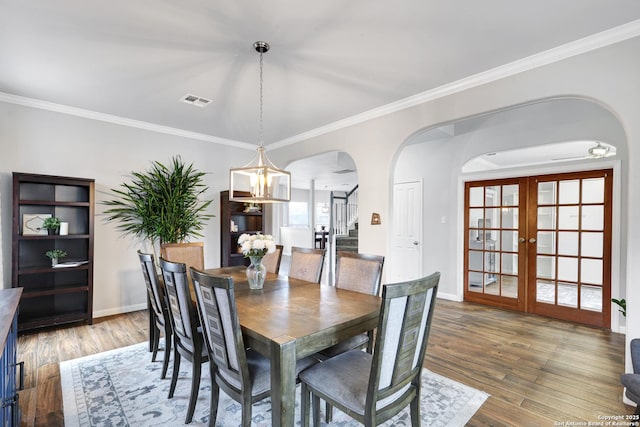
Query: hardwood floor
x=538 y=371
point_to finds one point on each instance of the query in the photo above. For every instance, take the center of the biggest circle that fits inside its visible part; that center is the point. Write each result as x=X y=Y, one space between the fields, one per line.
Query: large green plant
x=161 y=204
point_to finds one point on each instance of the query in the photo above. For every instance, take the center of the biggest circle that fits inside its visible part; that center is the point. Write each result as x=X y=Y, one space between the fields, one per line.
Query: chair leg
x=315 y=408
x=415 y=410
x=154 y=339
x=167 y=353
x=215 y=396
x=176 y=369
x=195 y=387
x=637 y=409
x=246 y=412
x=328 y=416
x=304 y=405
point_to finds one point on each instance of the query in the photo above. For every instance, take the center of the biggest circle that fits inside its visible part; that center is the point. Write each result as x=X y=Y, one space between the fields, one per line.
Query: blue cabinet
x=9 y=412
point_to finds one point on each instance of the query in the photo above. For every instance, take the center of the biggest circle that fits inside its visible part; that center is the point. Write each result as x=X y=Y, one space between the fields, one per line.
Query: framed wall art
x=32 y=224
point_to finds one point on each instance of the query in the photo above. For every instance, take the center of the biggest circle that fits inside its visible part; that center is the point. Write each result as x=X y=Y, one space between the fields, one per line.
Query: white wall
x=609 y=76
x=38 y=141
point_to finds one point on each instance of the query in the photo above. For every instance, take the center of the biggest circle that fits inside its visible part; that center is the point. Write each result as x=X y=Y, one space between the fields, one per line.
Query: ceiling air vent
x=198 y=101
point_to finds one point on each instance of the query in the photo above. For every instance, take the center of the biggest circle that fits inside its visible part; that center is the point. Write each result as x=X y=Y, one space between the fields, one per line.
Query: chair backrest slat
x=306 y=264
x=359 y=272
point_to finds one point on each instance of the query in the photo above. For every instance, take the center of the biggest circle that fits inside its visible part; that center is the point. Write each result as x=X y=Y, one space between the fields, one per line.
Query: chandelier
x=260 y=181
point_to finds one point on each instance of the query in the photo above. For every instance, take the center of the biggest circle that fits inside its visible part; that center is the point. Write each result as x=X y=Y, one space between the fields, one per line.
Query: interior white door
x=406 y=241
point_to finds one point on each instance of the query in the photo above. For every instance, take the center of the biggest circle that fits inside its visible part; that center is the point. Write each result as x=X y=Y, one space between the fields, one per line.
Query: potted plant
x=55 y=254
x=52 y=225
x=162 y=204
x=622 y=303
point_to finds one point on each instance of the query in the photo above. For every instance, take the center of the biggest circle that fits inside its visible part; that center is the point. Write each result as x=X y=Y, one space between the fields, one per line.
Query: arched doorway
x=438 y=156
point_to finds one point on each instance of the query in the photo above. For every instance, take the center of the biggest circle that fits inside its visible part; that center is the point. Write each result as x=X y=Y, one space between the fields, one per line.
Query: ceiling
x=330 y=62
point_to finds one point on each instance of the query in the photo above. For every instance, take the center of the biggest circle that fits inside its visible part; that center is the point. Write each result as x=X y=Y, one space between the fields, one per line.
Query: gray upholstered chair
x=159 y=312
x=306 y=264
x=244 y=375
x=632 y=381
x=374 y=388
x=272 y=261
x=187 y=334
x=360 y=273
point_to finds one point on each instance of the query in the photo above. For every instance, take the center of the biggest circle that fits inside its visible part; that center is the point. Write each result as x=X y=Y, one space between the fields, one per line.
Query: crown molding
x=123 y=121
x=559 y=53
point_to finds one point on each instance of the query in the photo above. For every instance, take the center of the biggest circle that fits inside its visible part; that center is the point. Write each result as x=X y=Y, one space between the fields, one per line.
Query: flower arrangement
x=256 y=244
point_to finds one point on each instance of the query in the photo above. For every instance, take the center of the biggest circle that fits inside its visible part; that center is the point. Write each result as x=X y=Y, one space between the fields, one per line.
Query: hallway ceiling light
x=260 y=181
x=598 y=151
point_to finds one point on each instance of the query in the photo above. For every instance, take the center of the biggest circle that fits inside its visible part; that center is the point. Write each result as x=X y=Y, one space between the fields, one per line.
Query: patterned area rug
x=122 y=387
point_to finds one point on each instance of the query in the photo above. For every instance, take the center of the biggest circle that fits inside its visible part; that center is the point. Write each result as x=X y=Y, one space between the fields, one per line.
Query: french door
x=541 y=245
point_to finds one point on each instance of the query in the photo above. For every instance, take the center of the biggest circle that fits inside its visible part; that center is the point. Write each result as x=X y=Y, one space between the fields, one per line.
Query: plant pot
x=53 y=231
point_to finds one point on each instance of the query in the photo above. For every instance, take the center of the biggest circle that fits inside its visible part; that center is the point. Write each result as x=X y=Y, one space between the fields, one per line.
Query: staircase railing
x=343 y=214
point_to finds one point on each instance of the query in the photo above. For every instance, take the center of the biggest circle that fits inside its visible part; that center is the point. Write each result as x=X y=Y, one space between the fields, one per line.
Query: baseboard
x=450 y=297
x=119 y=310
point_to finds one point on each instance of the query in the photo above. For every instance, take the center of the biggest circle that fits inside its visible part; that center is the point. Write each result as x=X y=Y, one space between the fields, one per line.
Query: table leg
x=283 y=381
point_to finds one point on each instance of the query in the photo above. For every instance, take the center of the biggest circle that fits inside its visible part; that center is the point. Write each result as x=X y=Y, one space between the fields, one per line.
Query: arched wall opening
x=436 y=155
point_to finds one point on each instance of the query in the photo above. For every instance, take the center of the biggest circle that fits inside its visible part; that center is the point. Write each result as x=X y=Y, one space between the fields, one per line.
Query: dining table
x=289 y=319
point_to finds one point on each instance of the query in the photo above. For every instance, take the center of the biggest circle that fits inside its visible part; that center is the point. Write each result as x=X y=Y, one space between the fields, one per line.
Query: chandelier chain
x=261 y=126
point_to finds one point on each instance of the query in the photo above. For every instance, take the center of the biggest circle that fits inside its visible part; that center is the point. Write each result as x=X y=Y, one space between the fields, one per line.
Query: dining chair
x=272 y=261
x=372 y=388
x=631 y=382
x=187 y=334
x=159 y=312
x=360 y=273
x=191 y=253
x=306 y=264
x=243 y=374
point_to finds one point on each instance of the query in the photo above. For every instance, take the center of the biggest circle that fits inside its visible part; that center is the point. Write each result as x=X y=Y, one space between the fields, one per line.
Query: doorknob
x=415 y=242
x=532 y=240
x=522 y=240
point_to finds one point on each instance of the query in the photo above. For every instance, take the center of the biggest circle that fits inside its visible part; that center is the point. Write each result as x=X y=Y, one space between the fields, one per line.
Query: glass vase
x=256 y=272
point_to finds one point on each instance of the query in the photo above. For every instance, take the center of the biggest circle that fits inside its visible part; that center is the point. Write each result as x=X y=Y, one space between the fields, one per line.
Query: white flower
x=256 y=244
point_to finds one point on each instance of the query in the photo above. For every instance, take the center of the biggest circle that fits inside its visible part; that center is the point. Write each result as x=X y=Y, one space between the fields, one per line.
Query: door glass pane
x=592 y=217
x=568 y=243
x=492 y=219
x=475 y=260
x=546 y=242
x=510 y=241
x=475 y=216
x=591 y=298
x=593 y=190
x=547 y=193
x=509 y=263
x=568 y=294
x=509 y=286
x=491 y=261
x=568 y=269
x=475 y=281
x=545 y=291
x=591 y=271
x=476 y=196
x=510 y=218
x=568 y=217
x=569 y=192
x=510 y=195
x=494 y=243
x=545 y=267
x=592 y=244
x=547 y=218
x=492 y=196
x=492 y=286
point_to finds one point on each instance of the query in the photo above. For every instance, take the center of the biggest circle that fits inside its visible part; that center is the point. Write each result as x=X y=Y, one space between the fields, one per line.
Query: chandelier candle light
x=260 y=181
x=254 y=247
